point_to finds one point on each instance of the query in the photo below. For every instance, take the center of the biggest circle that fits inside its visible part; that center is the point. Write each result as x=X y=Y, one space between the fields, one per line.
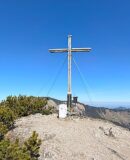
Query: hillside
x=119 y=117
x=75 y=138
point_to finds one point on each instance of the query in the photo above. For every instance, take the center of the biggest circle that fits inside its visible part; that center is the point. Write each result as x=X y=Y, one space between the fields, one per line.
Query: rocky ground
x=75 y=138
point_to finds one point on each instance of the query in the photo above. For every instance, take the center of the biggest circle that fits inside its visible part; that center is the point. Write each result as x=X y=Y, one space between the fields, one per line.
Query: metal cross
x=69 y=50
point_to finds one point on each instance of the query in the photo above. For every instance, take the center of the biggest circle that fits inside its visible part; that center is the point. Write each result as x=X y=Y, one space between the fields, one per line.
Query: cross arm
x=72 y=50
x=58 y=50
x=80 y=49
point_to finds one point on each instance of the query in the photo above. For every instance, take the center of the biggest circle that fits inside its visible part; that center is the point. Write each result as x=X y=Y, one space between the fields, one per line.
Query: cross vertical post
x=69 y=94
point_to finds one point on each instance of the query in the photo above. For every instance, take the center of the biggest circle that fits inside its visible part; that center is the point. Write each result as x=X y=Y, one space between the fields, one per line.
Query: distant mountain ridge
x=122 y=108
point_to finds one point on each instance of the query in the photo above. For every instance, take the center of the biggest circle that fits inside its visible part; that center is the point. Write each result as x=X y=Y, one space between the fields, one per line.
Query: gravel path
x=75 y=138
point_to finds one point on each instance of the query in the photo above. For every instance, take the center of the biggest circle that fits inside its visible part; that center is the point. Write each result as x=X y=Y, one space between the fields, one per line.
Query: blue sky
x=28 y=28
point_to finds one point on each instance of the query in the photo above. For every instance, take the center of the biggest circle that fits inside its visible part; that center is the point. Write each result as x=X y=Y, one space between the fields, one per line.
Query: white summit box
x=62 y=110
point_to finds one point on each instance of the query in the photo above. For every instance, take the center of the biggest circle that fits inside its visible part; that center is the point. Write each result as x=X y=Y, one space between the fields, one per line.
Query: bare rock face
x=52 y=103
x=80 y=109
x=75 y=138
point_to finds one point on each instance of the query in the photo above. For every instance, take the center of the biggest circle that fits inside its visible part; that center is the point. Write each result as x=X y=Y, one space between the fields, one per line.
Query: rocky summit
x=74 y=138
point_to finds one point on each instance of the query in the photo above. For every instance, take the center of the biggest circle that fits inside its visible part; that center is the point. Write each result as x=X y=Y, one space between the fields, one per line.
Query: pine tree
x=16 y=152
x=32 y=145
x=4 y=144
x=3 y=130
x=7 y=116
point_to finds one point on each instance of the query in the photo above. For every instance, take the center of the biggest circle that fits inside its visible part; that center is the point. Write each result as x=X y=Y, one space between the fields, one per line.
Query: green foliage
x=32 y=145
x=3 y=130
x=14 y=107
x=4 y=144
x=13 y=151
x=23 y=105
x=7 y=116
x=10 y=109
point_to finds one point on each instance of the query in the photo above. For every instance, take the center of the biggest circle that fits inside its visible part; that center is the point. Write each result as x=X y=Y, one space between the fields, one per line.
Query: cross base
x=69 y=101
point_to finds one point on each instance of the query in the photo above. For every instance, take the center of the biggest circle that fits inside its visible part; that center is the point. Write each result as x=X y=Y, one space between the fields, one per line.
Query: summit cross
x=69 y=50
